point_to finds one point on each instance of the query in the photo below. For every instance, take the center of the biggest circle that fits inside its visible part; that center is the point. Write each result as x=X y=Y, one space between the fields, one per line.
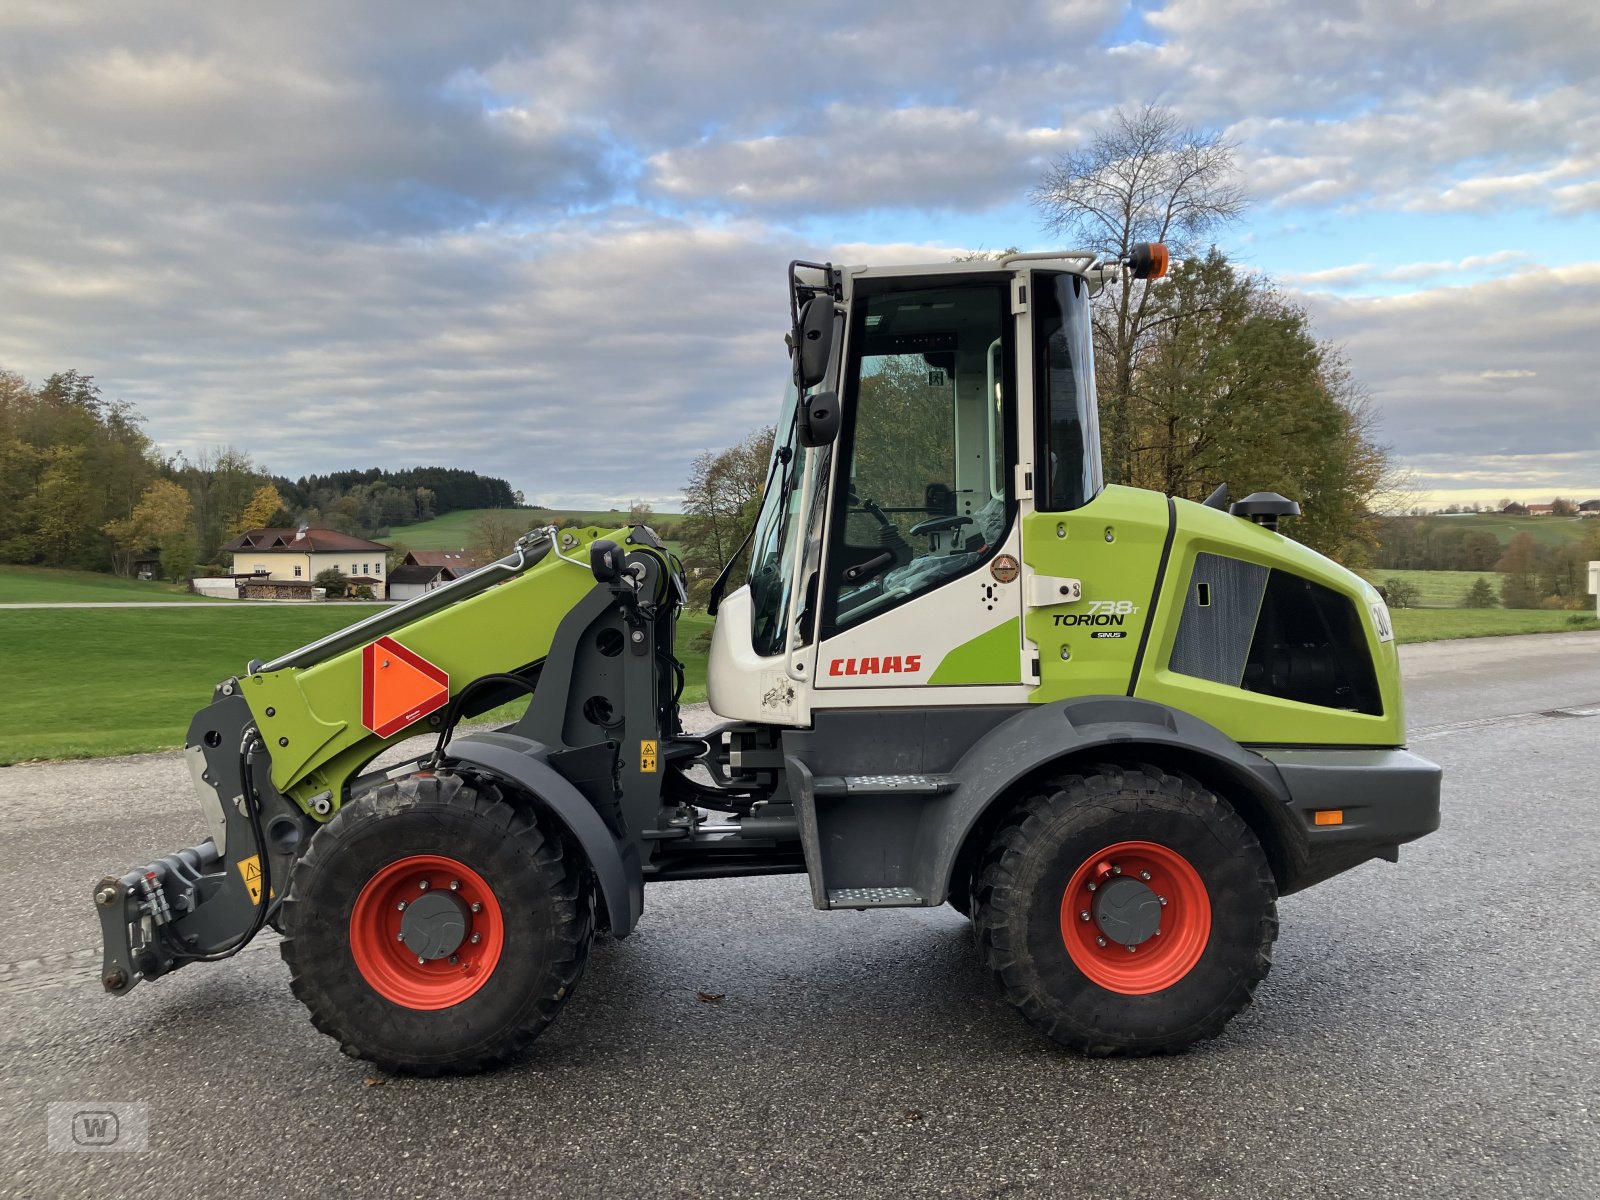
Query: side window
x=924 y=490
x=1063 y=371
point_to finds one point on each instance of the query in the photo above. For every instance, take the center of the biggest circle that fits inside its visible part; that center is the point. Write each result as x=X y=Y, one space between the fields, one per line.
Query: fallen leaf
x=711 y=997
x=374 y=1081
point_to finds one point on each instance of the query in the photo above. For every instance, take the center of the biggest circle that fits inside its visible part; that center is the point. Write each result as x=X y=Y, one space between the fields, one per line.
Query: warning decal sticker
x=647 y=757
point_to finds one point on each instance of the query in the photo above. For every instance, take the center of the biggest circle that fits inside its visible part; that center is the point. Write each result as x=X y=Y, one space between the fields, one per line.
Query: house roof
x=418 y=573
x=298 y=541
x=459 y=559
x=1589 y=506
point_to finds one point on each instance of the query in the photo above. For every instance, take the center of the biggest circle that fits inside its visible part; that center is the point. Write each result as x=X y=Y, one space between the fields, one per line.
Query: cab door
x=920 y=581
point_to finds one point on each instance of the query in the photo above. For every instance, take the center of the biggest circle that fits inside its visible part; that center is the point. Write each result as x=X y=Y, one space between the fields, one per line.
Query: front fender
x=1024 y=745
x=520 y=762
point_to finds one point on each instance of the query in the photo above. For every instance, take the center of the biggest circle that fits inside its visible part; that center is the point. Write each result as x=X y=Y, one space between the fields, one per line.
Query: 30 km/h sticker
x=647 y=757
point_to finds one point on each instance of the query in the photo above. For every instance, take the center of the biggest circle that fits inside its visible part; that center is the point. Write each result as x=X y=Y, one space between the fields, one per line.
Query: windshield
x=777 y=528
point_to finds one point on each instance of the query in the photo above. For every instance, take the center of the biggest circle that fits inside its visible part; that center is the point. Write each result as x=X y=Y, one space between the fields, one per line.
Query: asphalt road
x=1427 y=1030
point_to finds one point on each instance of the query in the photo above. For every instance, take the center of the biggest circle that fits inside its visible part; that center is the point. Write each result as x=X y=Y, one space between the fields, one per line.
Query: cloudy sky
x=548 y=240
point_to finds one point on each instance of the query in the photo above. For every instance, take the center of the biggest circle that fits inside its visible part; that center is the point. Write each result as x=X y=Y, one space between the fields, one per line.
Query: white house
x=297 y=556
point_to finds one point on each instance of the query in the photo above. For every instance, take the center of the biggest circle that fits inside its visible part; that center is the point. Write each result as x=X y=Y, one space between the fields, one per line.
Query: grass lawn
x=45 y=585
x=1438 y=589
x=1439 y=624
x=87 y=682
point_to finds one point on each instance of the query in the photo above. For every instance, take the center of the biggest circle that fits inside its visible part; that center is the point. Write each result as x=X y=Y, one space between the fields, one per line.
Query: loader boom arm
x=310 y=704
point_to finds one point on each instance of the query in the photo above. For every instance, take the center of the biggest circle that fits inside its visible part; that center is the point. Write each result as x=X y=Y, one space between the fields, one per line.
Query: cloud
x=1500 y=372
x=549 y=240
x=1353 y=275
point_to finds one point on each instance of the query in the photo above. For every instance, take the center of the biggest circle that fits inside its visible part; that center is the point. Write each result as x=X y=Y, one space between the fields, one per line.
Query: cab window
x=923 y=490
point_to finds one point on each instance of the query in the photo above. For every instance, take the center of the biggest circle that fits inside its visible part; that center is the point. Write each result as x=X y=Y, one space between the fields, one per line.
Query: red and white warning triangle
x=398 y=687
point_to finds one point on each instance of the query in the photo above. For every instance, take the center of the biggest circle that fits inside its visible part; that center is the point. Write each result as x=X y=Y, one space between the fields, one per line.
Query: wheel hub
x=434 y=925
x=1127 y=911
x=1135 y=917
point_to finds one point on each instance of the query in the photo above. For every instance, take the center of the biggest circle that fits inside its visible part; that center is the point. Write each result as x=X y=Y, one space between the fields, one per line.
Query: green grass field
x=87 y=682
x=1438 y=589
x=453 y=531
x=1441 y=624
x=44 y=585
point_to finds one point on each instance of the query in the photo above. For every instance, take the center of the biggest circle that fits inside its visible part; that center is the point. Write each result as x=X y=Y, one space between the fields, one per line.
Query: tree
x=179 y=554
x=639 y=512
x=1148 y=178
x=159 y=521
x=720 y=502
x=1479 y=595
x=1398 y=593
x=1562 y=507
x=332 y=581
x=1233 y=386
x=261 y=512
x=494 y=534
x=1517 y=566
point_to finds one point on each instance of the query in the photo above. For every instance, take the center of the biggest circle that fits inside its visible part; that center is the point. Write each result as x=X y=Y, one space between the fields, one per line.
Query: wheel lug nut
x=476 y=938
x=422 y=886
x=1092 y=886
x=1163 y=900
x=476 y=907
x=1083 y=916
x=400 y=937
x=401 y=906
x=1115 y=870
x=1145 y=875
x=1099 y=941
x=454 y=959
x=421 y=961
x=1131 y=949
x=455 y=884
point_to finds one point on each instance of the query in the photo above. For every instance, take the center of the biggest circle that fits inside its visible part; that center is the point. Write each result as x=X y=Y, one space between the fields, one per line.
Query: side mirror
x=813 y=341
x=817 y=423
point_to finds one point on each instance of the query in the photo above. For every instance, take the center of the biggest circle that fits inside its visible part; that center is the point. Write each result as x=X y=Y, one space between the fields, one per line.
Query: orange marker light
x=1328 y=816
x=1148 y=260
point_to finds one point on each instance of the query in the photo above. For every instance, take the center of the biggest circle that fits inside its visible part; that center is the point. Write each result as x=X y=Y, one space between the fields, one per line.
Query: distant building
x=1589 y=508
x=295 y=557
x=423 y=570
x=1541 y=510
x=1515 y=510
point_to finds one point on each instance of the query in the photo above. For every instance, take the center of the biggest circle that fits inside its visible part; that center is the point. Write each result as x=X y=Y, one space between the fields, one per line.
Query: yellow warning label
x=250 y=868
x=647 y=757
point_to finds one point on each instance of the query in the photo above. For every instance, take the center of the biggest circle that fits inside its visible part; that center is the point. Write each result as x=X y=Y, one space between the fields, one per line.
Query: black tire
x=544 y=898
x=1018 y=909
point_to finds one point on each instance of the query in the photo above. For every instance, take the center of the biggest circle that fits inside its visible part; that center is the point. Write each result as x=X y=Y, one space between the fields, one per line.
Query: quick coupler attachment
x=187 y=906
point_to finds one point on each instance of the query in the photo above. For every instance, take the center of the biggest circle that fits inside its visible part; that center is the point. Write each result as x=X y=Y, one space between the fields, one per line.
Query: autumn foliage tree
x=720 y=503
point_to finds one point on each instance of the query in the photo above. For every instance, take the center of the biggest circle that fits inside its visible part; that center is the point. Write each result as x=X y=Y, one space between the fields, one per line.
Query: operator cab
x=887 y=550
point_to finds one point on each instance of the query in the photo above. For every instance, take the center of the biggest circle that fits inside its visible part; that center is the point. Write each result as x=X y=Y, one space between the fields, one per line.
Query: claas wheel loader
x=1110 y=726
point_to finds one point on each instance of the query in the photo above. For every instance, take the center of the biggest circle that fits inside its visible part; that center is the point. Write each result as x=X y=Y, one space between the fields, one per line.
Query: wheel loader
x=1110 y=727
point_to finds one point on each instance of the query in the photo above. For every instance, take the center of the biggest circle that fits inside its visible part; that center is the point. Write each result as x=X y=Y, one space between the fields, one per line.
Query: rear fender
x=521 y=762
x=1074 y=733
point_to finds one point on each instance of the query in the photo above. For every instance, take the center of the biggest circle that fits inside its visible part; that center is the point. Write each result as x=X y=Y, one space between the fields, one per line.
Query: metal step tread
x=874 y=897
x=882 y=785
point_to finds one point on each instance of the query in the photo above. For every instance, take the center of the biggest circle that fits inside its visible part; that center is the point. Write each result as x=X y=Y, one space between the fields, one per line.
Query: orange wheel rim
x=445 y=950
x=1112 y=902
